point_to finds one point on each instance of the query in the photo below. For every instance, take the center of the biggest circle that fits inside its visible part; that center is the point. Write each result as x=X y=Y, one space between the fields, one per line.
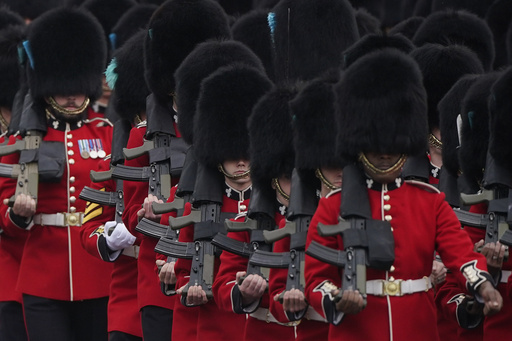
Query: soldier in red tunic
x=65 y=289
x=380 y=127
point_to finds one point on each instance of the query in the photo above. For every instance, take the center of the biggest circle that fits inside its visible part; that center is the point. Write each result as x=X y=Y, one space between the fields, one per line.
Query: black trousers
x=54 y=320
x=120 y=336
x=12 y=324
x=156 y=323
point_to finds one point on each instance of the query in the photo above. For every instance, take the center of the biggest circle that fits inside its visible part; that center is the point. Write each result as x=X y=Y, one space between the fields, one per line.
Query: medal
x=84 y=150
x=93 y=153
x=101 y=151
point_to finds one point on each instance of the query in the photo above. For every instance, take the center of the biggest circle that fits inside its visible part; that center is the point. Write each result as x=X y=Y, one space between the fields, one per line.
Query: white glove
x=119 y=238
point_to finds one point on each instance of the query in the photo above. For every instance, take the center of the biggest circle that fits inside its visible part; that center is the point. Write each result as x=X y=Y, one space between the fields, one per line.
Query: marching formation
x=246 y=170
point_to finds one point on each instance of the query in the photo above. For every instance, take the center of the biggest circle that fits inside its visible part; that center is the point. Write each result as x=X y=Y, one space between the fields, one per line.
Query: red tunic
x=123 y=312
x=75 y=274
x=230 y=264
x=422 y=222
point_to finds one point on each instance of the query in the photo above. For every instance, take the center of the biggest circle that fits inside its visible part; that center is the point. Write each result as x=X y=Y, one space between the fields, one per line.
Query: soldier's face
x=382 y=162
x=70 y=102
x=333 y=175
x=286 y=185
x=235 y=168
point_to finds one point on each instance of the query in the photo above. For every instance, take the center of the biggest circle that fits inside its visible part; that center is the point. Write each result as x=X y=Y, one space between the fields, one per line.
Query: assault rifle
x=302 y=206
x=208 y=221
x=366 y=242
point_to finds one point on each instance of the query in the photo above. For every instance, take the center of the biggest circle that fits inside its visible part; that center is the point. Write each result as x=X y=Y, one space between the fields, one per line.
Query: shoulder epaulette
x=333 y=192
x=100 y=121
x=142 y=124
x=423 y=185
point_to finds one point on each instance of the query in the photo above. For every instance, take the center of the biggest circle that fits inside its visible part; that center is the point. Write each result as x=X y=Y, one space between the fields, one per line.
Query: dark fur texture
x=499 y=17
x=199 y=64
x=383 y=106
x=319 y=31
x=252 y=29
x=475 y=131
x=461 y=28
x=32 y=9
x=500 y=122
x=478 y=7
x=225 y=103
x=373 y=42
x=407 y=27
x=423 y=8
x=509 y=45
x=9 y=18
x=271 y=137
x=131 y=89
x=69 y=51
x=366 y=23
x=449 y=108
x=176 y=28
x=236 y=7
x=314 y=112
x=10 y=37
x=135 y=19
x=441 y=66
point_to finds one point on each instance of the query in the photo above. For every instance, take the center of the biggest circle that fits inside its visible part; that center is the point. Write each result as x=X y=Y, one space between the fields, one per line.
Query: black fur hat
x=236 y=7
x=133 y=20
x=499 y=17
x=10 y=38
x=508 y=44
x=311 y=39
x=392 y=117
x=407 y=27
x=373 y=42
x=31 y=9
x=475 y=127
x=461 y=28
x=314 y=124
x=366 y=23
x=500 y=123
x=225 y=103
x=200 y=63
x=126 y=72
x=441 y=66
x=67 y=54
x=264 y=4
x=174 y=30
x=478 y=7
x=252 y=29
x=449 y=109
x=423 y=8
x=9 y=18
x=108 y=12
x=271 y=137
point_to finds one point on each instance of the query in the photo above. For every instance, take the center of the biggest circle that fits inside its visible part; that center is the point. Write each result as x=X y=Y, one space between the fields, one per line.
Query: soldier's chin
x=71 y=118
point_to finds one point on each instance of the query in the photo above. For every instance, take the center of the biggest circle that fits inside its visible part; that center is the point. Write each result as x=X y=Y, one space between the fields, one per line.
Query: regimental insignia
x=326 y=288
x=473 y=275
x=92 y=210
x=92 y=148
x=458 y=299
x=98 y=232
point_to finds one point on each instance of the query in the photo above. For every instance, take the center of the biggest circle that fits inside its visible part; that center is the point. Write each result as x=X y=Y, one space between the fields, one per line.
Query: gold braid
x=322 y=178
x=435 y=142
x=233 y=177
x=279 y=189
x=399 y=164
x=55 y=106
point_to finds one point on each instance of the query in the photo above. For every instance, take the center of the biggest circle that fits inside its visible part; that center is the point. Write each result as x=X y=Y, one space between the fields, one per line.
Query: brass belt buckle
x=392 y=288
x=72 y=219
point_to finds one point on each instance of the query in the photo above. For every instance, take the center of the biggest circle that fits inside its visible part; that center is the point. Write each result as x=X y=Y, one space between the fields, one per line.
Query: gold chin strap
x=233 y=177
x=435 y=142
x=55 y=106
x=279 y=189
x=326 y=182
x=398 y=164
x=3 y=121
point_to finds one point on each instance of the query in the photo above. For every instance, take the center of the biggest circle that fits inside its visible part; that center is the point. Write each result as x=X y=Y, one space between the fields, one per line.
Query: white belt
x=59 y=219
x=397 y=287
x=263 y=314
x=313 y=315
x=505 y=274
x=131 y=251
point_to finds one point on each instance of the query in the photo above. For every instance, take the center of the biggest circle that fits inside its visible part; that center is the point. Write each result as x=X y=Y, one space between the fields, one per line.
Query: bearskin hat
x=310 y=36
x=392 y=117
x=478 y=7
x=475 y=127
x=264 y=4
x=125 y=75
x=108 y=12
x=500 y=122
x=174 y=30
x=31 y=9
x=407 y=27
x=375 y=7
x=461 y=28
x=391 y=13
x=9 y=18
x=449 y=108
x=373 y=42
x=152 y=2
x=236 y=7
x=10 y=38
x=199 y=64
x=441 y=66
x=135 y=19
x=67 y=54
x=407 y=8
x=223 y=108
x=313 y=122
x=271 y=137
x=509 y=45
x=423 y=8
x=499 y=17
x=252 y=29
x=366 y=23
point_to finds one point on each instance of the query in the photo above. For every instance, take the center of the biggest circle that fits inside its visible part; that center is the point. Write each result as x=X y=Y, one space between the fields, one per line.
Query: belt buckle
x=392 y=288
x=72 y=219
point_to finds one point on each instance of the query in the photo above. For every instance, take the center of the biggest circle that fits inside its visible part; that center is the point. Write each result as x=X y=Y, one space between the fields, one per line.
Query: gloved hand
x=120 y=236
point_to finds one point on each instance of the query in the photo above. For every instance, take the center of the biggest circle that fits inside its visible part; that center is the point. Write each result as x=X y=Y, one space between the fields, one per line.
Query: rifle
x=302 y=206
x=366 y=241
x=120 y=139
x=208 y=221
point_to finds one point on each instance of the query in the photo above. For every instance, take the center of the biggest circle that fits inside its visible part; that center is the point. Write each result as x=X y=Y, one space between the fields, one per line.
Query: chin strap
x=55 y=106
x=398 y=164
x=231 y=176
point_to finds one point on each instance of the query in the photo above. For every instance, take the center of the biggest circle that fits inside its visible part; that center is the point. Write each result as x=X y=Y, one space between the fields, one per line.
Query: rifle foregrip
x=17 y=147
x=238 y=226
x=162 y=208
x=133 y=153
x=181 y=222
x=473 y=199
x=332 y=230
x=101 y=176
